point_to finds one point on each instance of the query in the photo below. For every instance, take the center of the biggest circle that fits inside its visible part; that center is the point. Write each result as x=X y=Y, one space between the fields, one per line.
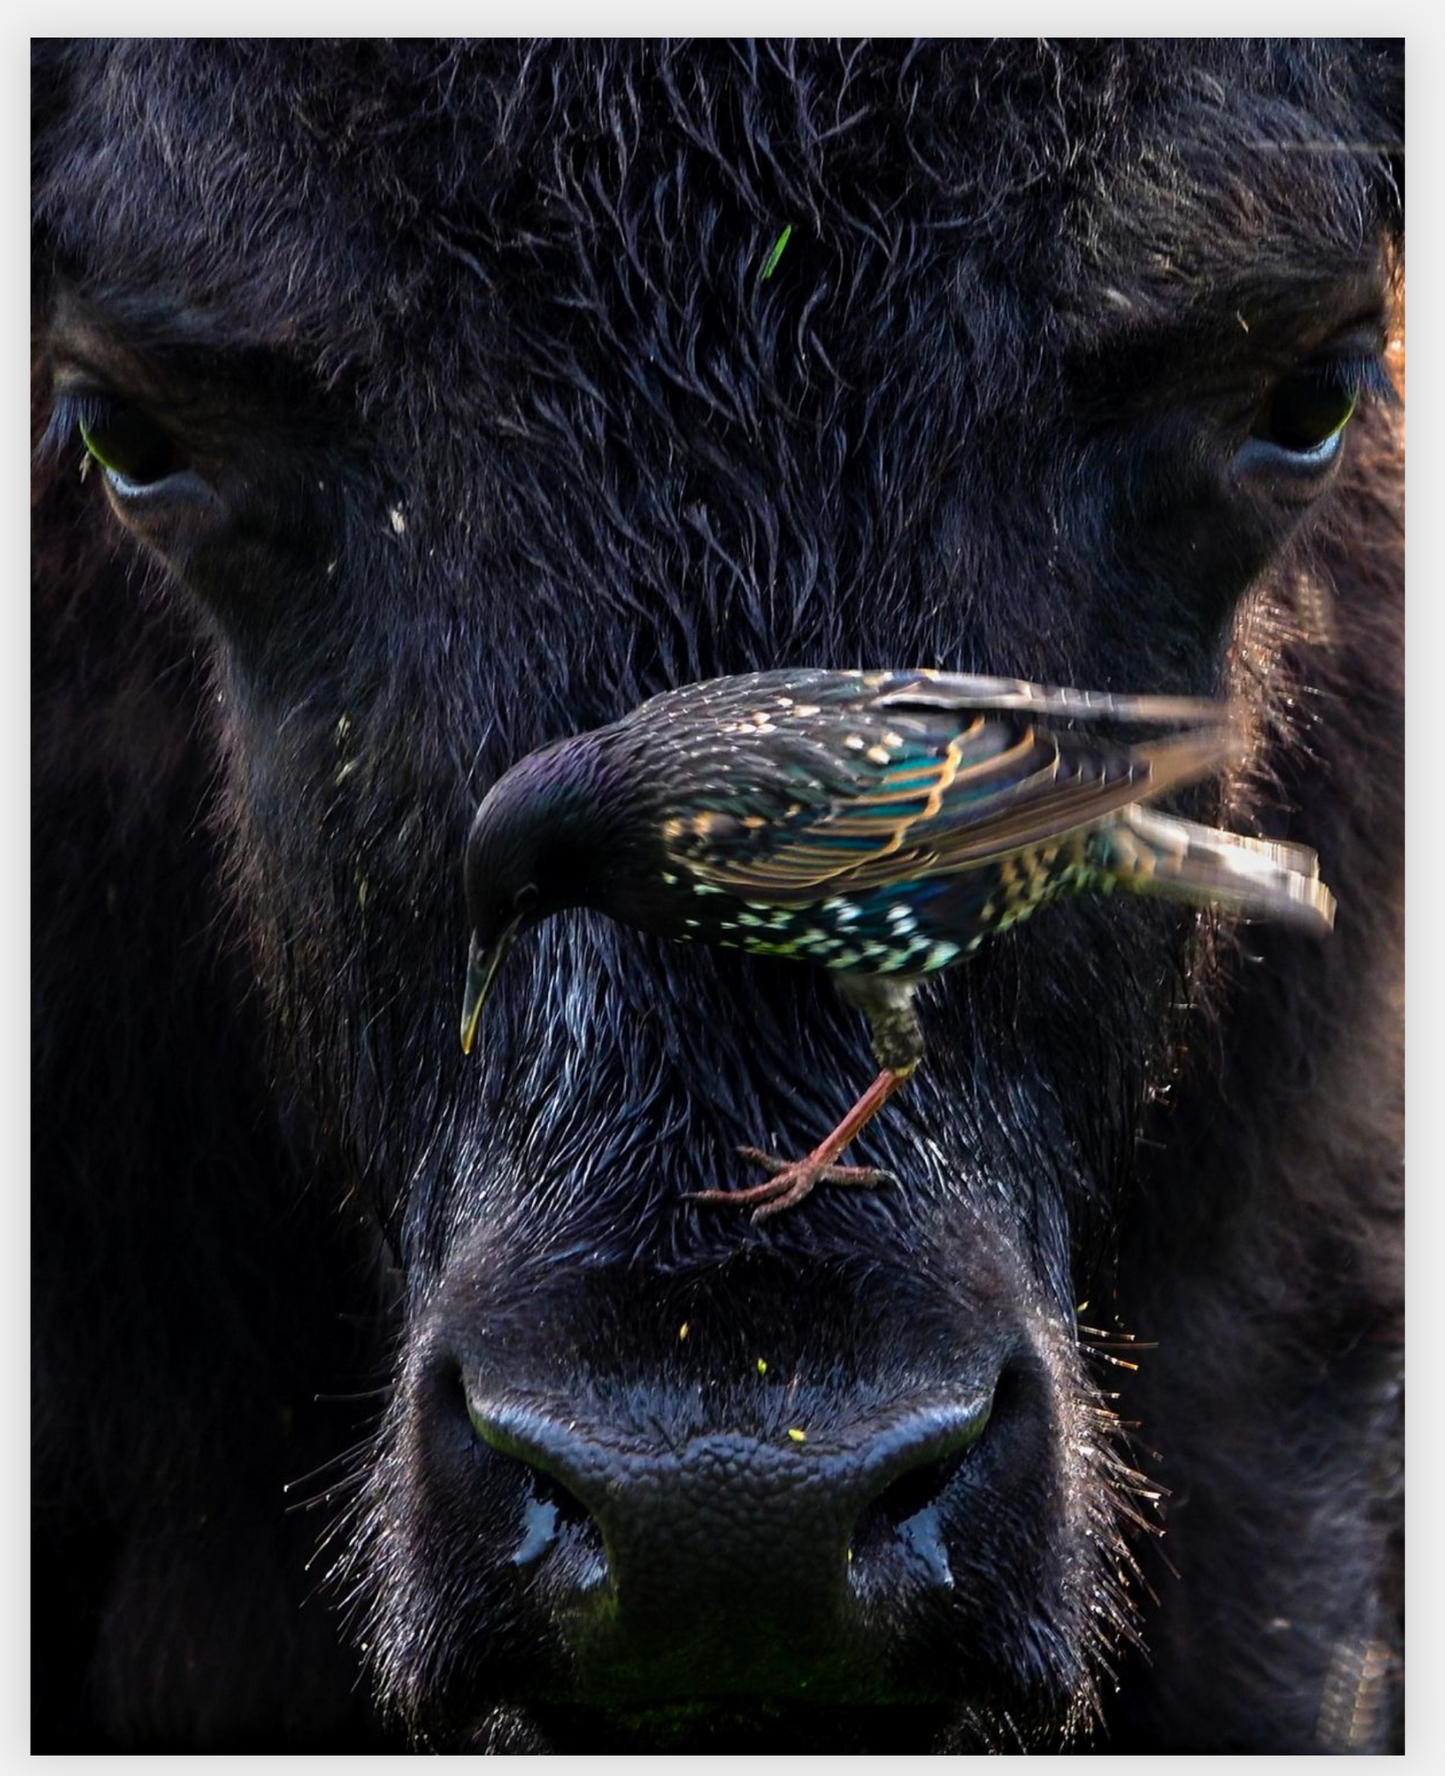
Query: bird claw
x=864 y=1177
x=790 y=1182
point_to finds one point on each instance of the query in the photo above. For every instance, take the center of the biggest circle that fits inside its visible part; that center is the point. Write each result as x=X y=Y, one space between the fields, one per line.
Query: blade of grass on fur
x=771 y=264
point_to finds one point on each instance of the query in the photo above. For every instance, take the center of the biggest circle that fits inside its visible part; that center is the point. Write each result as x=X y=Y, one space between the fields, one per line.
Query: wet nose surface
x=734 y=1561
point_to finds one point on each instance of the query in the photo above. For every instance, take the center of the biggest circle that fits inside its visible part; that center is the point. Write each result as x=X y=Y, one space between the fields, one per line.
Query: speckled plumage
x=879 y=824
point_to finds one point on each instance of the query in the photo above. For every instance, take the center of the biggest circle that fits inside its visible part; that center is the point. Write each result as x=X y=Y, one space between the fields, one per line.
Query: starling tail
x=1157 y=853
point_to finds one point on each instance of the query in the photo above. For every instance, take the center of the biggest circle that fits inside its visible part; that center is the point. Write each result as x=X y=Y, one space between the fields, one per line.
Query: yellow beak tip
x=482 y=966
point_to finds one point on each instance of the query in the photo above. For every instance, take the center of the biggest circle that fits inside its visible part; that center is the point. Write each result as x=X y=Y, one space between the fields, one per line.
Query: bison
x=443 y=399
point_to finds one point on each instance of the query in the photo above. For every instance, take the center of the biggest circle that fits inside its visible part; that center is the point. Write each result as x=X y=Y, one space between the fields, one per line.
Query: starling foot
x=868 y=1177
x=793 y=1179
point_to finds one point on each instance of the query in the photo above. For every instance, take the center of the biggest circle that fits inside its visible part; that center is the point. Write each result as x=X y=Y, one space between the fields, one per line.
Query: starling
x=879 y=824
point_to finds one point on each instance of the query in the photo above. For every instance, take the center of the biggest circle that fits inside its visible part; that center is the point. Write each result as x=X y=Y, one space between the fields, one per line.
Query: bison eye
x=124 y=441
x=1298 y=431
x=151 y=484
x=1308 y=410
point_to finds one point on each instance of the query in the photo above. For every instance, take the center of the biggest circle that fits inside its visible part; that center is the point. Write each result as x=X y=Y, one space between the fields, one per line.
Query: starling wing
x=845 y=781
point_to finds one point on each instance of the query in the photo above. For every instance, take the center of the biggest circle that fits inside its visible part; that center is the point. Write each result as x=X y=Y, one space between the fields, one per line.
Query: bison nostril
x=549 y=1489
x=552 y=1515
x=916 y=1462
x=549 y=1512
x=553 y=1502
x=913 y=1492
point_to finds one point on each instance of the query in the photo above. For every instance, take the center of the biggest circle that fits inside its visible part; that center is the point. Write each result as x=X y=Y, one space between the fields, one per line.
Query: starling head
x=530 y=854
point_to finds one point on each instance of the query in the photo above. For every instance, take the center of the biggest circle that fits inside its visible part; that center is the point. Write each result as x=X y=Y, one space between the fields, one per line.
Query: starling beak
x=882 y=825
x=482 y=966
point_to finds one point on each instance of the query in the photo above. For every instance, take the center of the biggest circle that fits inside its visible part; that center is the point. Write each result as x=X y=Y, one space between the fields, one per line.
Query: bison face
x=449 y=388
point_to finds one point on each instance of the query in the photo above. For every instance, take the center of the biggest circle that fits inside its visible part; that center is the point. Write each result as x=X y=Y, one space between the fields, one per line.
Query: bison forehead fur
x=488 y=408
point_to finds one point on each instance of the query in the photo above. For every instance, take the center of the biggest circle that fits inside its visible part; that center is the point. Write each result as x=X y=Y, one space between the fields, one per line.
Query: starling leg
x=793 y=1180
x=886 y=1000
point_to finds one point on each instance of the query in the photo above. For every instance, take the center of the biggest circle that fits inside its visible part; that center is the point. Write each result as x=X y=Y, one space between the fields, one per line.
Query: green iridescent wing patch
x=884 y=795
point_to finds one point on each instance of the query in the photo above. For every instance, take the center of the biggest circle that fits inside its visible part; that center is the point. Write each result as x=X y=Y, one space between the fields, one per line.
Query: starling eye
x=1308 y=411
x=125 y=441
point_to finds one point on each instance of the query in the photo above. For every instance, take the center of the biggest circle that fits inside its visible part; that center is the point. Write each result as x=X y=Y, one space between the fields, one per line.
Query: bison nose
x=740 y=1560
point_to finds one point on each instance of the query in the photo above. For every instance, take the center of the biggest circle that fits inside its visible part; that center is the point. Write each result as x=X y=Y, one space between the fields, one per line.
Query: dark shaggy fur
x=503 y=431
